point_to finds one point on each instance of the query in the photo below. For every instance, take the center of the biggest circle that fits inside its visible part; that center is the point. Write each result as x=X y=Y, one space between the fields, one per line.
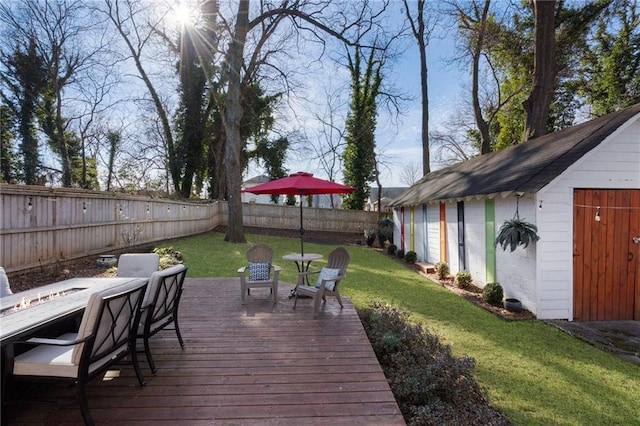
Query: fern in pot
x=516 y=232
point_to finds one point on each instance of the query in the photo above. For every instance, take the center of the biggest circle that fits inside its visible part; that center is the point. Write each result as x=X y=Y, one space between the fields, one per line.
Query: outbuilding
x=580 y=186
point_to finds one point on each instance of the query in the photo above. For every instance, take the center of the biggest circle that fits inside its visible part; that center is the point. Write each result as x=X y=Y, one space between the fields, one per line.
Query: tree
x=113 y=141
x=267 y=21
x=129 y=17
x=328 y=148
x=476 y=28
x=26 y=78
x=609 y=77
x=359 y=154
x=410 y=174
x=8 y=160
x=421 y=29
x=538 y=104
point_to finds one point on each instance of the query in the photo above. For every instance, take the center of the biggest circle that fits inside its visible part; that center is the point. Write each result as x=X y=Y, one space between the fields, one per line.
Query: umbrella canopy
x=300 y=183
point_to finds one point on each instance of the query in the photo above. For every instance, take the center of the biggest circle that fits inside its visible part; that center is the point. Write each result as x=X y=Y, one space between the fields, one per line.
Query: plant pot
x=512 y=305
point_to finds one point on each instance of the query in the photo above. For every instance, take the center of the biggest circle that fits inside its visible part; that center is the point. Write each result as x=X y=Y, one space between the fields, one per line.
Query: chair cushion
x=47 y=360
x=91 y=312
x=140 y=265
x=155 y=280
x=259 y=271
x=326 y=273
x=56 y=361
x=5 y=288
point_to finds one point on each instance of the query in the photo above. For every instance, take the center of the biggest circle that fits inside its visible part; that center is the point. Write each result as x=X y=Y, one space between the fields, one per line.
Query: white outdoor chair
x=328 y=280
x=139 y=265
x=5 y=288
x=258 y=272
x=106 y=335
x=160 y=306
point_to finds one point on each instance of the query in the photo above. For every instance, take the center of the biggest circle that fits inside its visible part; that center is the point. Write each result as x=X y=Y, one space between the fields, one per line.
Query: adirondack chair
x=259 y=271
x=328 y=280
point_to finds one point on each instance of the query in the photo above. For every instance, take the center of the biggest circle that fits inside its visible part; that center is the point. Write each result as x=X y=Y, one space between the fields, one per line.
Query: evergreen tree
x=610 y=77
x=26 y=77
x=359 y=156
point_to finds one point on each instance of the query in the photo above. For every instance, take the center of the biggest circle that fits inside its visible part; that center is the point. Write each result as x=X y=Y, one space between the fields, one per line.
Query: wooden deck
x=242 y=365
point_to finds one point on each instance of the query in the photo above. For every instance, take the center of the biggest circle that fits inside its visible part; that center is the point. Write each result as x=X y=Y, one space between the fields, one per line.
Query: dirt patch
x=87 y=267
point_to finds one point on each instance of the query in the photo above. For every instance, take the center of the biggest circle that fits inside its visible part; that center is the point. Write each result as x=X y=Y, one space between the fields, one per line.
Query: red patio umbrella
x=300 y=183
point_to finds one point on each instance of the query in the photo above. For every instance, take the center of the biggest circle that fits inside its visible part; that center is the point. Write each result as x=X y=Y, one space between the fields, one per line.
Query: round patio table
x=302 y=262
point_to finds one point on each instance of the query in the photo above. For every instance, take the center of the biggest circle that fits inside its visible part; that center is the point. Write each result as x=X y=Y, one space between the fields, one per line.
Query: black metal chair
x=106 y=335
x=160 y=306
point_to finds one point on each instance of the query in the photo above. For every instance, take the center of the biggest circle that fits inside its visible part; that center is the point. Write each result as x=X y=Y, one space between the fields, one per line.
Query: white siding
x=396 y=227
x=433 y=233
x=516 y=271
x=419 y=233
x=451 y=214
x=614 y=164
x=474 y=235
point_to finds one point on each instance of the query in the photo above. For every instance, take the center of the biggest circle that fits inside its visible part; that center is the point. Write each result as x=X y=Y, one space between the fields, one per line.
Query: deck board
x=256 y=364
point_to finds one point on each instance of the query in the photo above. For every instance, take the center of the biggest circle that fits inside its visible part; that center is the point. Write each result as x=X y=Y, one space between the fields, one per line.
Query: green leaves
x=516 y=232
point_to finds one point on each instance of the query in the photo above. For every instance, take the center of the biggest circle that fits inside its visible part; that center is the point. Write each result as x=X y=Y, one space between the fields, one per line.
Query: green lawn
x=530 y=371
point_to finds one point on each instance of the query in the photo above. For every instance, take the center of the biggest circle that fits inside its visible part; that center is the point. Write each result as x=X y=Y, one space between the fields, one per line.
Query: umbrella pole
x=301 y=230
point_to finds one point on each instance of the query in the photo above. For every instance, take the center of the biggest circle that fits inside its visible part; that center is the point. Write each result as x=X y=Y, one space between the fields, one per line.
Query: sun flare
x=184 y=12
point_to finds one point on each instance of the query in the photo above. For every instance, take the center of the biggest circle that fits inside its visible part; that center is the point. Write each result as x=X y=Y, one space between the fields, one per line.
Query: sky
x=398 y=142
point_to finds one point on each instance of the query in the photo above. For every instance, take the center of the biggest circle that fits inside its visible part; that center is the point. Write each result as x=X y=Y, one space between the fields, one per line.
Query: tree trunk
x=426 y=157
x=537 y=105
x=483 y=126
x=232 y=117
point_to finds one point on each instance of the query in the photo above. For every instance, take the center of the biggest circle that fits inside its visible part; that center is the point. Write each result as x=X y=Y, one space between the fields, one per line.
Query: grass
x=532 y=372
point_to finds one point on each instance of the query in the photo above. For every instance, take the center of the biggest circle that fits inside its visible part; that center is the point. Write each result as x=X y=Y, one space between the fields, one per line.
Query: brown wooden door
x=606 y=254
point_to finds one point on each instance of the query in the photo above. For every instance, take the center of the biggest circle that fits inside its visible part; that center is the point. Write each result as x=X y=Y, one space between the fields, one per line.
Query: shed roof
x=526 y=167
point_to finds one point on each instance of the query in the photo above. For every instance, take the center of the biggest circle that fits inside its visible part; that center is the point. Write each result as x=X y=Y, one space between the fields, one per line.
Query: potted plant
x=516 y=232
x=385 y=231
x=370 y=236
x=512 y=305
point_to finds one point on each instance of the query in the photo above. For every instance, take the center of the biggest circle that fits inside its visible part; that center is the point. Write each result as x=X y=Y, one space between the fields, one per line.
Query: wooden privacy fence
x=42 y=226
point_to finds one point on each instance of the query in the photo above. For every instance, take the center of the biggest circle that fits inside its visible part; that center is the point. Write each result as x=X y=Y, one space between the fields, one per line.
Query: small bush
x=168 y=256
x=385 y=231
x=410 y=257
x=493 y=294
x=370 y=236
x=391 y=250
x=430 y=384
x=442 y=270
x=463 y=279
x=400 y=254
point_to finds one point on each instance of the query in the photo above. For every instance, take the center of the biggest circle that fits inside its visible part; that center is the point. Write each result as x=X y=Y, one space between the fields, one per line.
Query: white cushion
x=56 y=361
x=5 y=288
x=91 y=313
x=48 y=360
x=140 y=265
x=259 y=271
x=327 y=273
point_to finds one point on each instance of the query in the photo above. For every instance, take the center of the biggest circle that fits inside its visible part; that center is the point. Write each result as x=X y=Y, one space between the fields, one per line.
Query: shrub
x=391 y=250
x=400 y=254
x=442 y=270
x=168 y=256
x=410 y=257
x=493 y=294
x=385 y=231
x=431 y=386
x=463 y=279
x=370 y=236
